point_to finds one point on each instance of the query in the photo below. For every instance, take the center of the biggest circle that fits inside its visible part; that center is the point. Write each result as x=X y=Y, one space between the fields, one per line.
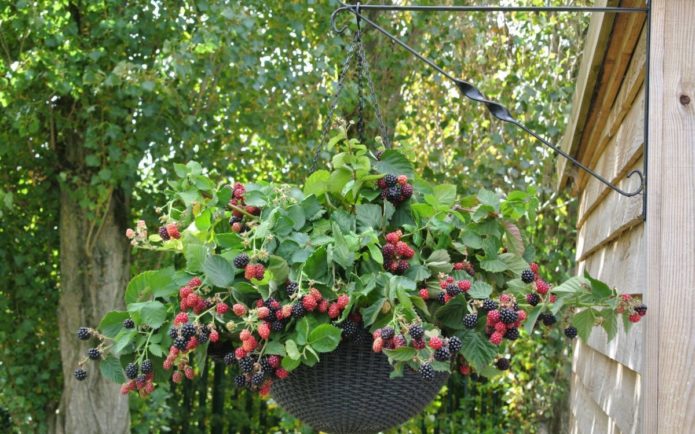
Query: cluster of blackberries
x=352 y=327
x=251 y=271
x=396 y=253
x=236 y=203
x=84 y=333
x=190 y=299
x=257 y=373
x=503 y=319
x=187 y=336
x=387 y=338
x=395 y=189
x=170 y=231
x=632 y=307
x=450 y=288
x=547 y=318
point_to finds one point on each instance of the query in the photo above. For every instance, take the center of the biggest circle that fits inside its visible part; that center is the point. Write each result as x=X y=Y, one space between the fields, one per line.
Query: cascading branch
x=274 y=275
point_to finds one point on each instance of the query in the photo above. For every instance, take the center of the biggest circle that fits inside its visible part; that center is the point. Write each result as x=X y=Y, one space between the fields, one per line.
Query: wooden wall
x=606 y=132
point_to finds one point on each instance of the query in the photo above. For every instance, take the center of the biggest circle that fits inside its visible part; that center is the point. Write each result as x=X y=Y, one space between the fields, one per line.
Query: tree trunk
x=93 y=280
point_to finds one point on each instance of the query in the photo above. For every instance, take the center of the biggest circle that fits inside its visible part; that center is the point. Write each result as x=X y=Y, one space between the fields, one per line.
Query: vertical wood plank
x=669 y=404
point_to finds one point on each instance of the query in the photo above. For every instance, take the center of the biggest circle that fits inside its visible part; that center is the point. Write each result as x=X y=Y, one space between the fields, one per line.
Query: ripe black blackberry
x=470 y=320
x=387 y=333
x=246 y=364
x=508 y=316
x=128 y=323
x=571 y=332
x=298 y=310
x=240 y=381
x=163 y=233
x=441 y=297
x=131 y=371
x=533 y=299
x=390 y=180
x=173 y=332
x=270 y=302
x=512 y=334
x=350 y=329
x=94 y=354
x=453 y=290
x=527 y=276
x=188 y=330
x=502 y=364
x=416 y=331
x=146 y=367
x=406 y=192
x=241 y=260
x=235 y=219
x=84 y=333
x=455 y=345
x=291 y=288
x=265 y=364
x=277 y=326
x=393 y=194
x=549 y=319
x=80 y=374
x=258 y=378
x=427 y=371
x=489 y=304
x=229 y=359
x=403 y=266
x=442 y=354
x=641 y=309
x=180 y=343
x=203 y=336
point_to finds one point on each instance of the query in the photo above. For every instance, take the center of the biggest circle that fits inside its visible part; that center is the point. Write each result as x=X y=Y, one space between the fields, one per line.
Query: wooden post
x=669 y=378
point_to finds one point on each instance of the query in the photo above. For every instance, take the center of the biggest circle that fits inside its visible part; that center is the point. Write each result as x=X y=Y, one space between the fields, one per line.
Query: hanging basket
x=349 y=391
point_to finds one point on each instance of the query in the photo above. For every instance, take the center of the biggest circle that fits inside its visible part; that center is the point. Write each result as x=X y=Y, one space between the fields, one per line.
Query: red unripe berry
x=249 y=271
x=260 y=303
x=393 y=266
x=245 y=334
x=253 y=210
x=449 y=279
x=381 y=183
x=274 y=361
x=316 y=294
x=496 y=338
x=521 y=315
x=173 y=351
x=505 y=298
x=275 y=305
x=534 y=267
x=435 y=343
x=214 y=336
x=447 y=297
x=189 y=373
x=240 y=353
x=264 y=330
x=287 y=310
x=222 y=308
x=635 y=317
x=309 y=302
x=464 y=285
x=465 y=369
x=239 y=309
x=323 y=306
x=125 y=389
x=458 y=266
x=281 y=373
x=200 y=306
x=173 y=231
x=181 y=318
x=401 y=248
x=279 y=314
x=249 y=344
x=343 y=301
x=263 y=312
x=418 y=344
x=443 y=284
x=493 y=316
x=185 y=291
x=542 y=287
x=377 y=345
x=376 y=334
x=194 y=282
x=236 y=227
x=402 y=179
x=500 y=327
x=424 y=293
x=167 y=364
x=177 y=377
x=260 y=271
x=183 y=305
x=264 y=390
x=398 y=341
x=394 y=237
x=192 y=300
x=149 y=387
x=192 y=343
x=552 y=298
x=626 y=297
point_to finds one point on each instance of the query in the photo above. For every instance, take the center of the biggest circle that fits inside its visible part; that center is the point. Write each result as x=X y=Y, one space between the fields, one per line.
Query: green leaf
x=375 y=253
x=571 y=286
x=476 y=349
x=292 y=350
x=276 y=348
x=142 y=286
x=156 y=350
x=123 y=339
x=397 y=371
x=312 y=208
x=451 y=314
x=219 y=271
x=610 y=323
x=598 y=288
x=516 y=242
x=302 y=331
x=439 y=261
x=371 y=312
x=230 y=240
x=368 y=216
x=489 y=198
x=402 y=354
x=325 y=338
x=515 y=263
x=316 y=183
x=532 y=318
x=152 y=313
x=195 y=257
x=445 y=194
x=296 y=213
x=494 y=265
x=112 y=323
x=290 y=364
x=279 y=268
x=480 y=290
x=316 y=267
x=418 y=273
x=472 y=240
x=584 y=322
x=395 y=163
x=111 y=369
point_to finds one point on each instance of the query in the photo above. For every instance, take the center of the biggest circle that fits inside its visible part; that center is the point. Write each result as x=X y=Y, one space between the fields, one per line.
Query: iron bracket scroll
x=496 y=109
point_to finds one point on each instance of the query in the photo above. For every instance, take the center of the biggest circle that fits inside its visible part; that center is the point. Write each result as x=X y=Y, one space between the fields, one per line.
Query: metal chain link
x=372 y=94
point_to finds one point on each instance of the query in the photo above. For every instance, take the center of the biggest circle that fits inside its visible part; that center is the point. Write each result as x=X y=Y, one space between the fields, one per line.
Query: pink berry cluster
x=254 y=271
x=395 y=189
x=169 y=231
x=450 y=288
x=632 y=307
x=504 y=321
x=139 y=235
x=396 y=253
x=464 y=266
x=240 y=209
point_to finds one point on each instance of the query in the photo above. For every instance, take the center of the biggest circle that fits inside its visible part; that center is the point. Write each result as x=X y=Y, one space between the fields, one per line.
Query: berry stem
x=243 y=211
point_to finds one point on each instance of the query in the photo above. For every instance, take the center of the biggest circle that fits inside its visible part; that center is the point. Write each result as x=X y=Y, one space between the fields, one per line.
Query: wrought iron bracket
x=496 y=109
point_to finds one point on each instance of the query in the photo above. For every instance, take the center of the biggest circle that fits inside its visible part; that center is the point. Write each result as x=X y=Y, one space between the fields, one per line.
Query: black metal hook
x=473 y=93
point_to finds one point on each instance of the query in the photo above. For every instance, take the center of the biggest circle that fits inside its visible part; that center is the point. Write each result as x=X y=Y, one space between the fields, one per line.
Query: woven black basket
x=349 y=391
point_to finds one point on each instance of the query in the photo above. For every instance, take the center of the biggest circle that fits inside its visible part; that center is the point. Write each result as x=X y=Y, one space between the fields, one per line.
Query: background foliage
x=243 y=87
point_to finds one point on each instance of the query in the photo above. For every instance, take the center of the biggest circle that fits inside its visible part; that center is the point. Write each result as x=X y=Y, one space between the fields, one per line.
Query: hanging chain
x=360 y=83
x=372 y=95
